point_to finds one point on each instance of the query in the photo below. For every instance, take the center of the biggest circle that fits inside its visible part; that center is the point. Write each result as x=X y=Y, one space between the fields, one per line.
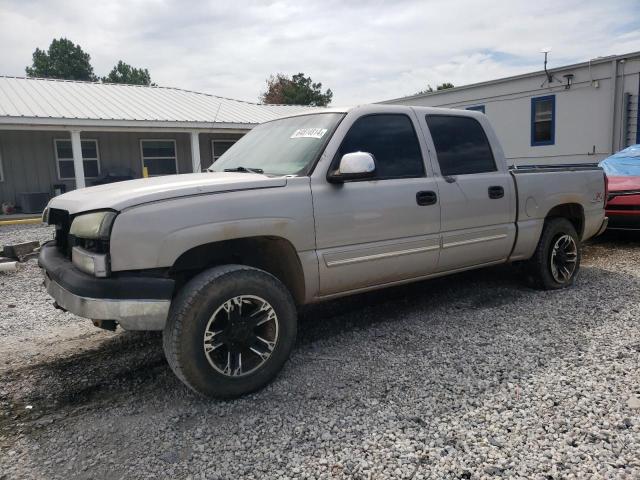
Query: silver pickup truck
x=304 y=209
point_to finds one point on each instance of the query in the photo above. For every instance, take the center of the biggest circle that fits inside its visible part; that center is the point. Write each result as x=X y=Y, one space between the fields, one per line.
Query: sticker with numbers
x=309 y=133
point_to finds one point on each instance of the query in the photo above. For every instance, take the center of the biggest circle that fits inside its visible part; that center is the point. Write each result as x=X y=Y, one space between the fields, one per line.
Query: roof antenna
x=549 y=76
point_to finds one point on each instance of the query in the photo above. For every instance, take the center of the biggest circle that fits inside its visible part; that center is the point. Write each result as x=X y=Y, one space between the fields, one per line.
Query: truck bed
x=540 y=187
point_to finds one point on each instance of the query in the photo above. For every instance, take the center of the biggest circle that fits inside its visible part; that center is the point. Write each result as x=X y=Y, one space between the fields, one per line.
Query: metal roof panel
x=39 y=98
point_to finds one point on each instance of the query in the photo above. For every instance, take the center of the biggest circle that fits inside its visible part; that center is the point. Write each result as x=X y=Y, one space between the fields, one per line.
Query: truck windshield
x=282 y=147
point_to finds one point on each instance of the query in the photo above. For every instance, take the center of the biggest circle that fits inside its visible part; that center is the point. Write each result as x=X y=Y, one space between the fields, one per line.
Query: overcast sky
x=364 y=51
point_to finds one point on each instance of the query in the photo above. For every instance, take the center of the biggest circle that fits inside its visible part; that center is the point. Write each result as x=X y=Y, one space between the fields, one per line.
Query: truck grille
x=61 y=220
x=623 y=207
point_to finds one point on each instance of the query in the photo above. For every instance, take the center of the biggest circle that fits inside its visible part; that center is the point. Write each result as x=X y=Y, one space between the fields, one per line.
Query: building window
x=543 y=120
x=64 y=159
x=477 y=108
x=218 y=147
x=461 y=145
x=159 y=156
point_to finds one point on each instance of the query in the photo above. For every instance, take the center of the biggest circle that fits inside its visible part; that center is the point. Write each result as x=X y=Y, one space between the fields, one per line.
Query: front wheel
x=556 y=261
x=230 y=331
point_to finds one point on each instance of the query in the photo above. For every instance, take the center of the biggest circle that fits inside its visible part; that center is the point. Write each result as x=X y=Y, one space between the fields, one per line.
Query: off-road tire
x=538 y=268
x=190 y=312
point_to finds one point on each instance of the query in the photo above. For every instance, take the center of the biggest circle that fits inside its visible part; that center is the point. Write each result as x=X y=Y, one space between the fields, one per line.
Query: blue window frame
x=477 y=108
x=543 y=120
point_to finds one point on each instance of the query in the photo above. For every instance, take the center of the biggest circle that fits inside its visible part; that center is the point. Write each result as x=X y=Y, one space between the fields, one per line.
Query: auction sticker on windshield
x=309 y=133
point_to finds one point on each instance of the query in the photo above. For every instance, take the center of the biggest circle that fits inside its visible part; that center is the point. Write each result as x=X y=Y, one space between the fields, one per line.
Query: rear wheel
x=230 y=330
x=556 y=261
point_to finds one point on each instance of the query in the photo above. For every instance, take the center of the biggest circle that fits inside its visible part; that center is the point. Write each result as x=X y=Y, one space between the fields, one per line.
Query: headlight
x=93 y=226
x=45 y=216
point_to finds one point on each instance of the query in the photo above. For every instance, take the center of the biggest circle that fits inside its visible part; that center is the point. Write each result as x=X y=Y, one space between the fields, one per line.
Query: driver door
x=378 y=230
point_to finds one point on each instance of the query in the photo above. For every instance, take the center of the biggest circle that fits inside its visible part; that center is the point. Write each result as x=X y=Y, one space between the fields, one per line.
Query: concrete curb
x=21 y=221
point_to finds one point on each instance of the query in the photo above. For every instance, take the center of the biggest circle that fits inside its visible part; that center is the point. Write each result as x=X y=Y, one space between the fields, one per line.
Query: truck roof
x=377 y=107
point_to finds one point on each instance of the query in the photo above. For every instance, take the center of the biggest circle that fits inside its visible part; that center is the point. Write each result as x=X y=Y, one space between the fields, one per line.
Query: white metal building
x=58 y=135
x=578 y=113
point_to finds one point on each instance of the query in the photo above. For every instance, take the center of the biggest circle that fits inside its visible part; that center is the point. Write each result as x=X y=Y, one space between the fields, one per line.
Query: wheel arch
x=275 y=255
x=574 y=212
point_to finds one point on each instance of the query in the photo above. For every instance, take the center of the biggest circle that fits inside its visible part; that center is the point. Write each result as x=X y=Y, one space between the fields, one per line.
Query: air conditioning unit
x=33 y=202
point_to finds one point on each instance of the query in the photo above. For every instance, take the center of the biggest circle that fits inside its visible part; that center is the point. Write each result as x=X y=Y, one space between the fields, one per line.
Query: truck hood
x=121 y=195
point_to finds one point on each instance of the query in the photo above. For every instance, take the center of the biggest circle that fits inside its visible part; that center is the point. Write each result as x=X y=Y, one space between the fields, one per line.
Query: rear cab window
x=461 y=145
x=393 y=142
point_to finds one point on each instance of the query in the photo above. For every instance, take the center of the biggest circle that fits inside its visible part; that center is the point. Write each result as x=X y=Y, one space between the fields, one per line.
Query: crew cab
x=304 y=209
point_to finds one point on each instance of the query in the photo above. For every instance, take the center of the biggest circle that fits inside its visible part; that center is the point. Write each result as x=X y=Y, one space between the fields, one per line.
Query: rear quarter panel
x=540 y=191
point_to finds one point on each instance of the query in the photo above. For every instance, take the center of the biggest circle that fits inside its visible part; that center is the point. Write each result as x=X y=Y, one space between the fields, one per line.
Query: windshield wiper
x=244 y=170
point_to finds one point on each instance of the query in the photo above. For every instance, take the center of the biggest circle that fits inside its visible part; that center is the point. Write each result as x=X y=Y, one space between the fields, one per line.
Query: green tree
x=429 y=89
x=63 y=60
x=125 y=73
x=297 y=90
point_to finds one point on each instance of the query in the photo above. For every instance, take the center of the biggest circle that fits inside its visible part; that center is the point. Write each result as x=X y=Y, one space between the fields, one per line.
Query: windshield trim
x=306 y=172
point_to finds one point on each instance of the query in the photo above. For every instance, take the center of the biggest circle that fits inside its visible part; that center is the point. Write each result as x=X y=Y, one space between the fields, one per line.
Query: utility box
x=59 y=189
x=33 y=202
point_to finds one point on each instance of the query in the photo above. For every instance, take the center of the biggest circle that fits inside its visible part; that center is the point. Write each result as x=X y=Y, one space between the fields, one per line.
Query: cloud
x=363 y=50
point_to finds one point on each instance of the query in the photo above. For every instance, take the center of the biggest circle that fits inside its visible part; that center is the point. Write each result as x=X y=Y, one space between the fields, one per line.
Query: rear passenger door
x=476 y=194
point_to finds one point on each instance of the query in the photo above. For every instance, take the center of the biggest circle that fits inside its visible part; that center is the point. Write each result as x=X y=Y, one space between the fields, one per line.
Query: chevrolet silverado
x=304 y=209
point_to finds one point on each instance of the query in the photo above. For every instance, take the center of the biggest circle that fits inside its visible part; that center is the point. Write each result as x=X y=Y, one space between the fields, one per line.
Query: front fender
x=154 y=235
x=184 y=239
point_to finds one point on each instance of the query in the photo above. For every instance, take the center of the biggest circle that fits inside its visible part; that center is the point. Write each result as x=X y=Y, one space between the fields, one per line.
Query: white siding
x=584 y=123
x=29 y=160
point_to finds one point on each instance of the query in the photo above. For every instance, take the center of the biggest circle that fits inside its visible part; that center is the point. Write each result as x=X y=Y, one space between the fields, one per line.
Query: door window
x=392 y=141
x=461 y=145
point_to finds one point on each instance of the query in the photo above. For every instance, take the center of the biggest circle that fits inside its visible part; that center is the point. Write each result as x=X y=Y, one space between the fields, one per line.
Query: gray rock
x=473 y=376
x=633 y=402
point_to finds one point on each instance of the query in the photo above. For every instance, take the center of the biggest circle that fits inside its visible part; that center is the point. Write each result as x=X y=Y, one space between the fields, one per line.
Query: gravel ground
x=470 y=376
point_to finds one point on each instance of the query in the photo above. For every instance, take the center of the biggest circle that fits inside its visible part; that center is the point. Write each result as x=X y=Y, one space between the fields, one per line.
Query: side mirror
x=354 y=166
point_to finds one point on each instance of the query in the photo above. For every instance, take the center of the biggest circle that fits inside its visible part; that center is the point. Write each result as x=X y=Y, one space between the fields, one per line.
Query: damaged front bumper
x=134 y=302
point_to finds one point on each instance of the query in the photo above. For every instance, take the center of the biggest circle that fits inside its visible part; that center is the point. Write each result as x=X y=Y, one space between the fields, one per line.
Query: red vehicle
x=623 y=175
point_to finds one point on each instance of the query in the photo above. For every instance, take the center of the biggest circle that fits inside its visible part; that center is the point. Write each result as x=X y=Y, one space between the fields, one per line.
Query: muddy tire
x=230 y=330
x=556 y=261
